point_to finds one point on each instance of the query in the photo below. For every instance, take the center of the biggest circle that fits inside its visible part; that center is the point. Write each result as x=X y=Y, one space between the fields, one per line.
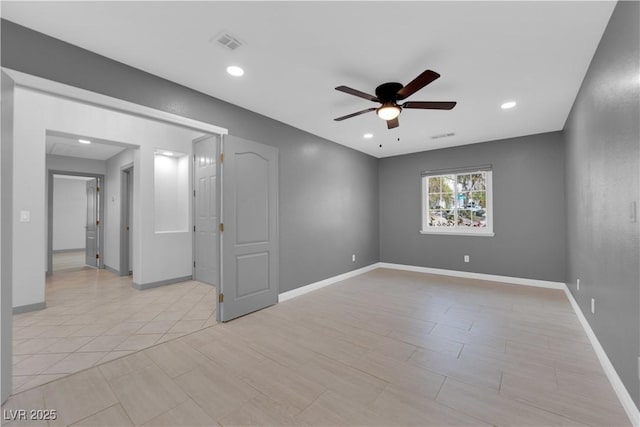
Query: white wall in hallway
x=157 y=257
x=69 y=213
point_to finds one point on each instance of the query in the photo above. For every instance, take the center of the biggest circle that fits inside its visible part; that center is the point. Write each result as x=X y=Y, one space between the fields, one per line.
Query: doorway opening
x=75 y=225
x=126 y=220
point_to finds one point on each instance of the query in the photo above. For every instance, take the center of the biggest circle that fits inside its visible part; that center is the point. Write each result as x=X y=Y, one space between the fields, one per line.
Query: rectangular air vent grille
x=226 y=40
x=443 y=135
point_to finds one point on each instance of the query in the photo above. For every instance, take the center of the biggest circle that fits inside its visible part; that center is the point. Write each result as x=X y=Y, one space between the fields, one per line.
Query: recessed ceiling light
x=235 y=71
x=508 y=105
x=367 y=136
x=167 y=153
x=84 y=141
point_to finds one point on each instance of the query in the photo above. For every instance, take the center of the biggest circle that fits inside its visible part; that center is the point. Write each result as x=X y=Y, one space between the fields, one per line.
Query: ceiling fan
x=388 y=94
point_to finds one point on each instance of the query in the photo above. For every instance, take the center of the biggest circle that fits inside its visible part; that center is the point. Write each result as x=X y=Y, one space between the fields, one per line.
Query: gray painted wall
x=328 y=194
x=528 y=202
x=6 y=233
x=602 y=180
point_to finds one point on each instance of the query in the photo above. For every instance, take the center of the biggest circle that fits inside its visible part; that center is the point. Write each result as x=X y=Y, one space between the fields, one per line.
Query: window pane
x=463 y=200
x=478 y=181
x=437 y=219
x=434 y=184
x=478 y=199
x=448 y=183
x=464 y=218
x=480 y=218
x=434 y=201
x=464 y=182
x=448 y=201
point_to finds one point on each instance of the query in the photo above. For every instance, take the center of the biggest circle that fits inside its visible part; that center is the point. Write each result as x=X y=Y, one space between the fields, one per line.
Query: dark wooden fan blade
x=418 y=83
x=348 y=116
x=358 y=93
x=394 y=123
x=429 y=105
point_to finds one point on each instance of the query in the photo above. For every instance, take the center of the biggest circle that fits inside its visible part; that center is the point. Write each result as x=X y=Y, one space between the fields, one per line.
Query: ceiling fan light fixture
x=388 y=111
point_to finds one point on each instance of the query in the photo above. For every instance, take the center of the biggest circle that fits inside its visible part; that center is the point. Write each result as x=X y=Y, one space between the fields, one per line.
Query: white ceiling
x=63 y=145
x=296 y=53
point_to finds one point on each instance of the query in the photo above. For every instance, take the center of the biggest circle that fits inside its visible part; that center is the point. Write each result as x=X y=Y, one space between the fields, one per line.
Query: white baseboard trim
x=621 y=391
x=471 y=275
x=326 y=282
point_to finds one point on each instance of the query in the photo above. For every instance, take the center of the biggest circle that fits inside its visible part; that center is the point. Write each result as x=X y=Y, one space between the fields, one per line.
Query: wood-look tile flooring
x=93 y=316
x=384 y=348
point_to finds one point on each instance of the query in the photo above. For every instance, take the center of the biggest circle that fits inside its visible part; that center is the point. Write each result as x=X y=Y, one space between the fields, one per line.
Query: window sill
x=459 y=233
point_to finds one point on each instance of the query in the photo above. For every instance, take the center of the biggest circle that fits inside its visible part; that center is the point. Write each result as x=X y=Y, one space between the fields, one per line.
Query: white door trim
x=92 y=98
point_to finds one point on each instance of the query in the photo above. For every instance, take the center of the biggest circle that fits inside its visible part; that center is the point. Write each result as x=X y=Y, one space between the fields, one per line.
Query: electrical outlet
x=353 y=258
x=466 y=258
x=578 y=284
x=593 y=306
x=25 y=216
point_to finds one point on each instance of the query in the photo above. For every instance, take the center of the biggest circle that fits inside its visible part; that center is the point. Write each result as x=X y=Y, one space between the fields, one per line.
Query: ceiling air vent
x=226 y=40
x=443 y=135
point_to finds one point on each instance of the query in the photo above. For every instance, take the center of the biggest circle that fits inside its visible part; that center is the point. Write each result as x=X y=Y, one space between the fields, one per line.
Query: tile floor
x=93 y=316
x=383 y=348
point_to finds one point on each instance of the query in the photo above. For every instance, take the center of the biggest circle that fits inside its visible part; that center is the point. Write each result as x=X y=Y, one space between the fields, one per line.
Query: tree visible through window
x=457 y=202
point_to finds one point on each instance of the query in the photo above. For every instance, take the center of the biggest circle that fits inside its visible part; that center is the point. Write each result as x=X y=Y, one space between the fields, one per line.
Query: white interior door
x=206 y=210
x=250 y=238
x=91 y=233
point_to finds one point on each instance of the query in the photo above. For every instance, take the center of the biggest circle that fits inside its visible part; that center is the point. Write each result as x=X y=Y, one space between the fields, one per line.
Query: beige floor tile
x=67 y=345
x=216 y=391
x=169 y=315
x=481 y=403
x=78 y=396
x=12 y=414
x=32 y=346
x=138 y=342
x=235 y=357
x=157 y=327
x=125 y=328
x=344 y=380
x=112 y=416
x=103 y=343
x=176 y=358
x=185 y=414
x=35 y=381
x=260 y=411
x=335 y=410
x=75 y=362
x=590 y=409
x=146 y=393
x=325 y=356
x=186 y=326
x=475 y=371
x=401 y=374
x=125 y=365
x=288 y=388
x=398 y=407
x=36 y=364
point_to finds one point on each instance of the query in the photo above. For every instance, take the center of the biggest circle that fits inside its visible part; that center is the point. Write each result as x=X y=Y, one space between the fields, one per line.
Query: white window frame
x=458 y=230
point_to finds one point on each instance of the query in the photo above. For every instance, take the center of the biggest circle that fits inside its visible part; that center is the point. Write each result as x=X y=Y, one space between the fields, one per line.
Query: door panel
x=91 y=233
x=250 y=239
x=206 y=209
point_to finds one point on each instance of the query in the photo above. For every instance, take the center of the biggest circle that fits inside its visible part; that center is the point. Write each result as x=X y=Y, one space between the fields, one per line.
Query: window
x=457 y=202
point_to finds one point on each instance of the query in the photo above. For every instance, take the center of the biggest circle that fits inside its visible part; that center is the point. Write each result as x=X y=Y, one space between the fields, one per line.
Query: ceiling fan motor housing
x=388 y=92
